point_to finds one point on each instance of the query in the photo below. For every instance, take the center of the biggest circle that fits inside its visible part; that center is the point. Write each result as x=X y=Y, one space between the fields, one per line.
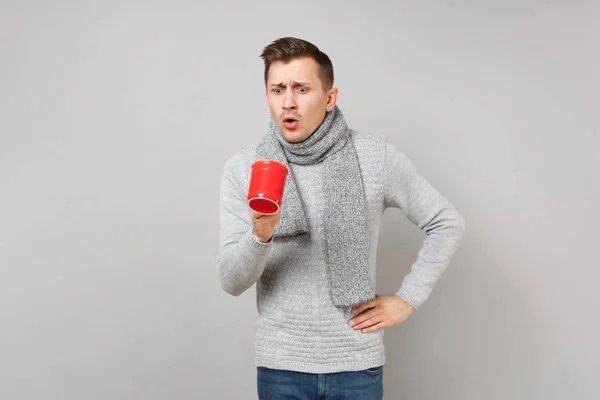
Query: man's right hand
x=264 y=225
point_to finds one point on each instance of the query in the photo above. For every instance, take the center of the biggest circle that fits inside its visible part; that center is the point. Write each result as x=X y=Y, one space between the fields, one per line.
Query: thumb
x=364 y=306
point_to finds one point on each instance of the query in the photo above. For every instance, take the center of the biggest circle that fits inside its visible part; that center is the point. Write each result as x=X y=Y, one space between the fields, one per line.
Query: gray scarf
x=345 y=226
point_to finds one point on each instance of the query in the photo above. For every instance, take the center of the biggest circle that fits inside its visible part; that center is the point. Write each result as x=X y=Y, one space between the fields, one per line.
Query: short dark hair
x=290 y=48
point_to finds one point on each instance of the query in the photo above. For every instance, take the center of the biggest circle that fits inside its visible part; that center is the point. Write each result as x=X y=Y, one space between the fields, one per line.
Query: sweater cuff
x=255 y=243
x=409 y=298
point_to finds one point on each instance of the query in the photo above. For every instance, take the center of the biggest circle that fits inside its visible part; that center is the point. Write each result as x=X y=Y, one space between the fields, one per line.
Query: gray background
x=115 y=120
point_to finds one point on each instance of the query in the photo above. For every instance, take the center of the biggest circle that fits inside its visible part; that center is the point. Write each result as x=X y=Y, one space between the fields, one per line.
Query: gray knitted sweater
x=298 y=327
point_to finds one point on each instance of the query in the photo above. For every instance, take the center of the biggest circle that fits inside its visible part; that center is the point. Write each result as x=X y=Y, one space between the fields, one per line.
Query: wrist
x=260 y=238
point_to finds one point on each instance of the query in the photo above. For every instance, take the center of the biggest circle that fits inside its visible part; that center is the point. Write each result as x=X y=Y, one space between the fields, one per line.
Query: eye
x=276 y=90
x=303 y=90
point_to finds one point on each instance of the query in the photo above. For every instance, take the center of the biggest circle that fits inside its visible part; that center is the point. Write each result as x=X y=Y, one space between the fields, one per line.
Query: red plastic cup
x=267 y=182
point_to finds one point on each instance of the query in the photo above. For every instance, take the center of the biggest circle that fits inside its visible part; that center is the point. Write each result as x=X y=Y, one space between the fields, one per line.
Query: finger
x=359 y=319
x=265 y=217
x=369 y=322
x=261 y=219
x=264 y=224
x=373 y=328
x=364 y=306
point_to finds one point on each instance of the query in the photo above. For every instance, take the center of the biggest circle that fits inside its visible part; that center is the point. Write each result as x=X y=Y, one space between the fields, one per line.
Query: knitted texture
x=344 y=209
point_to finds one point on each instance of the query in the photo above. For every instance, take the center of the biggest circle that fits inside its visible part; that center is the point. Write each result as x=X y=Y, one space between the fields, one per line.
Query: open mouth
x=290 y=123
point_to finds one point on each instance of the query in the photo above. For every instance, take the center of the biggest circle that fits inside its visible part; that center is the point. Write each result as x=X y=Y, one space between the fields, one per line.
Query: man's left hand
x=383 y=312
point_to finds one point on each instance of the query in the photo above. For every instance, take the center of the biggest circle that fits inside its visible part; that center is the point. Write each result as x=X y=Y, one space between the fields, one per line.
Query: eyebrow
x=294 y=83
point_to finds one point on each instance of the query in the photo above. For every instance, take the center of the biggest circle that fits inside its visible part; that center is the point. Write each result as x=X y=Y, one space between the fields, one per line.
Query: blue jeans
x=356 y=385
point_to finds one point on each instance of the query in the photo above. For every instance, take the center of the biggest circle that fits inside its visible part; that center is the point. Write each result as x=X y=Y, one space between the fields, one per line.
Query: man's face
x=297 y=98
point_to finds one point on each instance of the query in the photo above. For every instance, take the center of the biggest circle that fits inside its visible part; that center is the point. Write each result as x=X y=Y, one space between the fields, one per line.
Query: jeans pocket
x=374 y=371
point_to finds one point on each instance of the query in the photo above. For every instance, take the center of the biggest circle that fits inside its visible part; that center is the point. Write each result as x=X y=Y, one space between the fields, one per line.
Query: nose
x=289 y=102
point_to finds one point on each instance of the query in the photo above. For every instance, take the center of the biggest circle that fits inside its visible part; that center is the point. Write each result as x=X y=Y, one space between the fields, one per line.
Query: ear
x=332 y=98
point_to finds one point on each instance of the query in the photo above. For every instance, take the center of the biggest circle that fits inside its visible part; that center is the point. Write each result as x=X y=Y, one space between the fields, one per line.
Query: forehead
x=301 y=70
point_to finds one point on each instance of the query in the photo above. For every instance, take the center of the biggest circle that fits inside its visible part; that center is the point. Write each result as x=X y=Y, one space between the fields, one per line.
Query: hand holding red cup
x=265 y=192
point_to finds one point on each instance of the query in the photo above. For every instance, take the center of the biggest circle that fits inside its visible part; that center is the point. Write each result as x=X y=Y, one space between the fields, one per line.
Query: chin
x=293 y=136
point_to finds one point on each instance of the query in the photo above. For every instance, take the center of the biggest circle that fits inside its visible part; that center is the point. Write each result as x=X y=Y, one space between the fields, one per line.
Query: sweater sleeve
x=406 y=189
x=241 y=258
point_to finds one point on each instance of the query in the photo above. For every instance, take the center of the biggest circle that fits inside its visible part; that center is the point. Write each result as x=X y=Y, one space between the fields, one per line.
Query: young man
x=320 y=325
